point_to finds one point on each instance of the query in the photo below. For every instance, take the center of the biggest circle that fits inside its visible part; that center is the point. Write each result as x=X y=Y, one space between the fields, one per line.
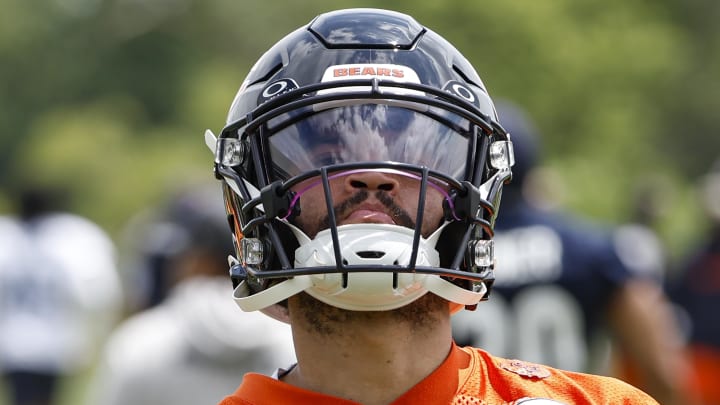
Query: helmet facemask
x=316 y=140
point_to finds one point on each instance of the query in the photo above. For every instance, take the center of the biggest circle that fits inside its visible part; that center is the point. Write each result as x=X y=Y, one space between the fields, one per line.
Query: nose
x=372 y=181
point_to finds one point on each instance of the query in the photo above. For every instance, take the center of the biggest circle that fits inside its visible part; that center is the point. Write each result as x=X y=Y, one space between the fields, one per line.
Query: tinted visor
x=432 y=138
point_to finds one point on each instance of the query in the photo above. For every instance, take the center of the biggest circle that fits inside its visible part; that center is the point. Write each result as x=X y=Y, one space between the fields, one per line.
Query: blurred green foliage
x=109 y=98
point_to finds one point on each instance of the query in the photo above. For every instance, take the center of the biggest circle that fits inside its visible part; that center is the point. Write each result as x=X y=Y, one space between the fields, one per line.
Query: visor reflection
x=369 y=133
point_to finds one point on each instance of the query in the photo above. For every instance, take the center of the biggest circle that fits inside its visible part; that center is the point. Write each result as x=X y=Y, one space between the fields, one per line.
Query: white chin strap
x=362 y=244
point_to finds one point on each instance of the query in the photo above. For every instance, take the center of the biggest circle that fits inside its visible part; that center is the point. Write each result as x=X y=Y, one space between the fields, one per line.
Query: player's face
x=369 y=196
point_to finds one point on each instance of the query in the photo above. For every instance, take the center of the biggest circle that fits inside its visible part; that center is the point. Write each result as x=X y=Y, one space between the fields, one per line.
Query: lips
x=368 y=215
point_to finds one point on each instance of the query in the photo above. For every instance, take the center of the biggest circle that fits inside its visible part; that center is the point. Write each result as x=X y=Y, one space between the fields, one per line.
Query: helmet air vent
x=371 y=254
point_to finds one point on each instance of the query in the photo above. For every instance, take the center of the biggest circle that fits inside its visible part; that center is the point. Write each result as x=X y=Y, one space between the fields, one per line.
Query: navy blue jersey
x=555 y=276
x=697 y=292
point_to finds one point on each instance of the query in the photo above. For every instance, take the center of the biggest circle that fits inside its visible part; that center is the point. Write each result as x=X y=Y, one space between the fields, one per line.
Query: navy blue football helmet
x=360 y=91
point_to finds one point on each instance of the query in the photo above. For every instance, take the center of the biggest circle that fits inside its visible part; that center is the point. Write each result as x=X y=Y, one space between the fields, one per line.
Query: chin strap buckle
x=237 y=271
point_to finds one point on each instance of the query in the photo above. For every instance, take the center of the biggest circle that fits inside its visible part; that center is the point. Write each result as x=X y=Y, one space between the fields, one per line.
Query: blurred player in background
x=560 y=283
x=59 y=295
x=190 y=347
x=697 y=291
x=636 y=242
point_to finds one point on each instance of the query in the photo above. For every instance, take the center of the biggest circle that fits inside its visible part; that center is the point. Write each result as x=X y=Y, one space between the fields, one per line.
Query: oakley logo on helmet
x=277 y=88
x=461 y=90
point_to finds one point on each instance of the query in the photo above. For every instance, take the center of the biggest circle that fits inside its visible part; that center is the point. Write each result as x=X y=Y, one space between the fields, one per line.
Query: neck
x=368 y=357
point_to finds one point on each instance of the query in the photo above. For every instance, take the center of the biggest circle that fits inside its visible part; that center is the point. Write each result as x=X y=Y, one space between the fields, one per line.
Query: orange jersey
x=706 y=367
x=468 y=376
